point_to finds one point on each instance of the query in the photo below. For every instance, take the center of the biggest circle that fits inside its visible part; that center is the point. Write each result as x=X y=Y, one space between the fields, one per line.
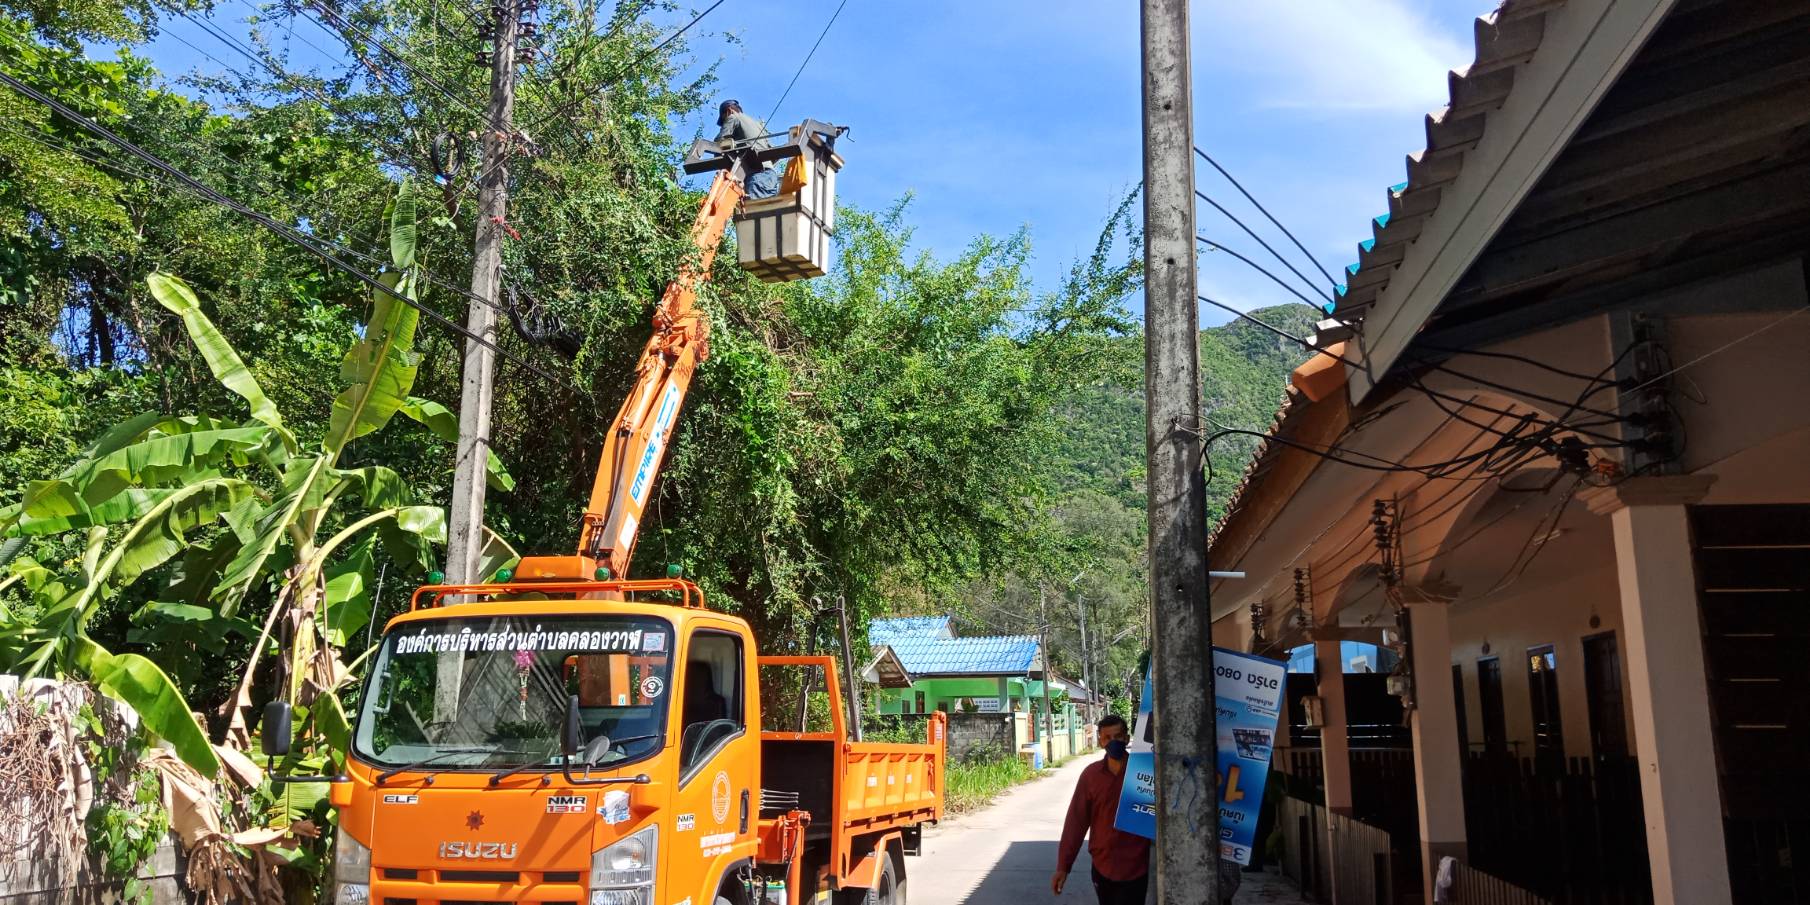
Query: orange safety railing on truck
x=690 y=595
x=879 y=788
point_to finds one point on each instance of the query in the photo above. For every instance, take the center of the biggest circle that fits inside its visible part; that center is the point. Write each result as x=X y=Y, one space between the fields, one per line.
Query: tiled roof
x=1003 y=655
x=885 y=631
x=1504 y=39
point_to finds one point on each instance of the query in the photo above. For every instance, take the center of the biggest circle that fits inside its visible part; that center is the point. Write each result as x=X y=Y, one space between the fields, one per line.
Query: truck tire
x=887 y=890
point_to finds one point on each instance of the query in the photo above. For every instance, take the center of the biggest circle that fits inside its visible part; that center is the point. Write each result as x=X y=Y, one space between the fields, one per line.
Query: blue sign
x=1248 y=698
x=1137 y=798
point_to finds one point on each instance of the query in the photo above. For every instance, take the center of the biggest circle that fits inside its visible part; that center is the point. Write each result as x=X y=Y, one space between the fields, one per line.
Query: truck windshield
x=490 y=692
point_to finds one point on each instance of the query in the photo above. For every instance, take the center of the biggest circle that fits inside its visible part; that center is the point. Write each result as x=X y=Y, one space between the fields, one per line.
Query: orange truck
x=560 y=734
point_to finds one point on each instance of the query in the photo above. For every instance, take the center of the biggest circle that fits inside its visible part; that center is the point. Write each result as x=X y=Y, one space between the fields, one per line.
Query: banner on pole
x=1248 y=700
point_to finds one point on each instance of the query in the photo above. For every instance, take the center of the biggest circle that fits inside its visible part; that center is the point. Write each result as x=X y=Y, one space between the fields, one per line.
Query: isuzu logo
x=484 y=851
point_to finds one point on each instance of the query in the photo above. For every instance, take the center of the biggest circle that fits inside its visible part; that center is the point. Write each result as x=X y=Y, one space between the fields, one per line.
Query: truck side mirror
x=573 y=738
x=275 y=733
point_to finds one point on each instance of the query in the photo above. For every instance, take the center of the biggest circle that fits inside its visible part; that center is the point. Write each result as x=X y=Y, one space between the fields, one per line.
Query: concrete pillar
x=1438 y=759
x=1668 y=685
x=1335 y=747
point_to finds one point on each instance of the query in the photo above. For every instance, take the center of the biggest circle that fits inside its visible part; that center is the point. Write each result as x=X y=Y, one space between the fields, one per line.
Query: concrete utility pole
x=1187 y=795
x=1049 y=675
x=466 y=530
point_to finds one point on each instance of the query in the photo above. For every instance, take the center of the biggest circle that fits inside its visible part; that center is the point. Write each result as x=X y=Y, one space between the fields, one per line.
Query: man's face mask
x=1115 y=749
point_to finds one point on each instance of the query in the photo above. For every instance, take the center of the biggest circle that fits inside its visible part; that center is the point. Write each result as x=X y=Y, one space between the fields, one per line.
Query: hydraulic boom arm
x=641 y=433
x=637 y=442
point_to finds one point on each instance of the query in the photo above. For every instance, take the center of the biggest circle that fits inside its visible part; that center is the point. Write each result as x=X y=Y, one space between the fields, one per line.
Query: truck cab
x=459 y=786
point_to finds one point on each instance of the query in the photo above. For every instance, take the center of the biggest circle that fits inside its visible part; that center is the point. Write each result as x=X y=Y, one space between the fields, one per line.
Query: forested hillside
x=1096 y=471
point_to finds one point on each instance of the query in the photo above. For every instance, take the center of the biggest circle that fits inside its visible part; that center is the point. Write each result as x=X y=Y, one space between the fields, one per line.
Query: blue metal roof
x=930 y=656
x=884 y=631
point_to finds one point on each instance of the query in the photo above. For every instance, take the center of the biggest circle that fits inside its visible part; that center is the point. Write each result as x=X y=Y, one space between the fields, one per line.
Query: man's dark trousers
x=1121 y=892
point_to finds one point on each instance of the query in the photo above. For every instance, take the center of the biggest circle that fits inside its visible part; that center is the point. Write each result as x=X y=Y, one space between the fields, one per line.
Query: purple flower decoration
x=524 y=660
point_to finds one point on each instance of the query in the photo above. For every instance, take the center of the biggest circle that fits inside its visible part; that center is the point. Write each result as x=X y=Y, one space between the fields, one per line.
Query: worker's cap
x=725 y=108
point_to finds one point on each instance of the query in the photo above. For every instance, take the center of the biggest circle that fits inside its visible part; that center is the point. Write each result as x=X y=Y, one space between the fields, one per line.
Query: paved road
x=1004 y=854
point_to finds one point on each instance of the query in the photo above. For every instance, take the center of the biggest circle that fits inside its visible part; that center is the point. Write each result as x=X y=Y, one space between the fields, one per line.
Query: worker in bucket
x=738 y=128
x=1121 y=860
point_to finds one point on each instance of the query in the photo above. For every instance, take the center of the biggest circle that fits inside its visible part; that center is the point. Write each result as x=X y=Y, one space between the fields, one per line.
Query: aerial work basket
x=785 y=237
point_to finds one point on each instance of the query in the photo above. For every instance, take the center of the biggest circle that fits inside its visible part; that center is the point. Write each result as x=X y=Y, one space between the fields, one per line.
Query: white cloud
x=1331 y=54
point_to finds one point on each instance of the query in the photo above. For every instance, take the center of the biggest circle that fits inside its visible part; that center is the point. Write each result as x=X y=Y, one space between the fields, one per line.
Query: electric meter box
x=787 y=237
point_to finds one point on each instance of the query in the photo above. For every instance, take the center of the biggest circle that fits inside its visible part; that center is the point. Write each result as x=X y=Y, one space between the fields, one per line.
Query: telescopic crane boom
x=641 y=432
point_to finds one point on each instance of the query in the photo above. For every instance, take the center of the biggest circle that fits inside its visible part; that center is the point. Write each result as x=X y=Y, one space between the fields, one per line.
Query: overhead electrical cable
x=1318 y=308
x=806 y=62
x=1265 y=211
x=1311 y=285
x=307 y=243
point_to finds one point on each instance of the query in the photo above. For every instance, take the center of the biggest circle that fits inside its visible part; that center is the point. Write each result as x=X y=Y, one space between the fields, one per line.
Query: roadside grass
x=974 y=781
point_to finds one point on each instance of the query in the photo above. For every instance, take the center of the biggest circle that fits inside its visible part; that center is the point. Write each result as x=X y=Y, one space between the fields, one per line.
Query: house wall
x=1736 y=428
x=1555 y=612
x=941 y=694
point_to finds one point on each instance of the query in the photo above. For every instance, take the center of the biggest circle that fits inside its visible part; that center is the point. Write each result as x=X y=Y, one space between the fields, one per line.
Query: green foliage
x=127 y=821
x=138 y=682
x=973 y=781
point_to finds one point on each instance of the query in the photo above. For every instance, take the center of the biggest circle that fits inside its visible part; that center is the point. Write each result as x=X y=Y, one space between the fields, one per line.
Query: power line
x=365 y=37
x=1265 y=211
x=1215 y=246
x=807 y=61
x=261 y=219
x=605 y=84
x=1266 y=246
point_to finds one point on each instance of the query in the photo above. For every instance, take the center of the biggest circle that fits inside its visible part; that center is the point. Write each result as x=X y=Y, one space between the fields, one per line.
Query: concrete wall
x=971 y=731
x=41 y=882
x=1551 y=604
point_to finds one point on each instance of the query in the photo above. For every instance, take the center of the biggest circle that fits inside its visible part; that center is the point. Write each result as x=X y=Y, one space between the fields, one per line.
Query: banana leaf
x=348 y=598
x=302 y=487
x=442 y=423
x=379 y=487
x=138 y=683
x=411 y=537
x=403 y=231
x=175 y=295
x=379 y=369
x=89 y=492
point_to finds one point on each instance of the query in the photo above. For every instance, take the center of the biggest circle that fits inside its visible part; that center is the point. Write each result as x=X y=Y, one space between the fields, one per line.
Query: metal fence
x=1572 y=832
x=1304 y=861
x=1471 y=886
x=1323 y=851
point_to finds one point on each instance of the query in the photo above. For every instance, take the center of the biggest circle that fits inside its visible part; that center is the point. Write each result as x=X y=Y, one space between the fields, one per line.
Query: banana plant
x=236 y=509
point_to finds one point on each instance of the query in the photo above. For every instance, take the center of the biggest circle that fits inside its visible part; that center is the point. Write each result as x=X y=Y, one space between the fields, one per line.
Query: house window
x=920 y=697
x=1543 y=697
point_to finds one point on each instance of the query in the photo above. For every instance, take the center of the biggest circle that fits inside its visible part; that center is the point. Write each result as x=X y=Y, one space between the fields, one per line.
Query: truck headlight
x=623 y=872
x=351 y=870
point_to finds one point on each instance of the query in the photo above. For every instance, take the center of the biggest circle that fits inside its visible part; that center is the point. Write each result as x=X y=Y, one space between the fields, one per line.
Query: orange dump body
x=456 y=792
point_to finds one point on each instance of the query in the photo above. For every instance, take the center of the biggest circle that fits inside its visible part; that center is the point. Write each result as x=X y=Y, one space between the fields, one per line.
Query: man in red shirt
x=1121 y=861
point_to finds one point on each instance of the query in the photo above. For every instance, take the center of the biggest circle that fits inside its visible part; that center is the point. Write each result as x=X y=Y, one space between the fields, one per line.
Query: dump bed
x=857 y=794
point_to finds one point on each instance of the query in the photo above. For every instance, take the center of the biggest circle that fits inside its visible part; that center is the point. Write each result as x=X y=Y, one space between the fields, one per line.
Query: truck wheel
x=887 y=889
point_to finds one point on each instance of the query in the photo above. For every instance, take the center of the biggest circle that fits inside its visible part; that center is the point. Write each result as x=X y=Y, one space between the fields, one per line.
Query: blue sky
x=1001 y=114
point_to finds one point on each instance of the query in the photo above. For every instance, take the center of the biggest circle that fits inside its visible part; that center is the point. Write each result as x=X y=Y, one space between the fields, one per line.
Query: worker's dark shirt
x=742 y=127
x=1116 y=855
